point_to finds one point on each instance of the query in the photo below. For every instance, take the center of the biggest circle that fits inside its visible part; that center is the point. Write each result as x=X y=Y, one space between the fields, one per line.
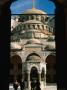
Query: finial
x=33 y=4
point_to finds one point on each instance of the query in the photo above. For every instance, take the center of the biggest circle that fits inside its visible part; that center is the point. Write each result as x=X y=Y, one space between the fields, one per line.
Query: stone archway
x=15 y=68
x=33 y=68
x=51 y=68
x=34 y=74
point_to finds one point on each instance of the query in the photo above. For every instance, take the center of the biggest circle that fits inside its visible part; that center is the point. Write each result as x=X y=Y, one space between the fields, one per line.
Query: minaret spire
x=33 y=3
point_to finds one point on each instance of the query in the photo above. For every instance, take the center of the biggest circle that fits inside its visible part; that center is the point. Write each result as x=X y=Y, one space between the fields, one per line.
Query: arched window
x=31 y=17
x=33 y=26
x=38 y=26
x=43 y=27
x=27 y=18
x=29 y=26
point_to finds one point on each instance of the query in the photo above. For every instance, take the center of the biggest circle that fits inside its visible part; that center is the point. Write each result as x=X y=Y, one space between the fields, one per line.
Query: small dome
x=33 y=41
x=34 y=11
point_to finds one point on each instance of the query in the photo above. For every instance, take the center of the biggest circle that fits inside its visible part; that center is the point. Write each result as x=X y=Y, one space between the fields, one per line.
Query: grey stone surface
x=45 y=88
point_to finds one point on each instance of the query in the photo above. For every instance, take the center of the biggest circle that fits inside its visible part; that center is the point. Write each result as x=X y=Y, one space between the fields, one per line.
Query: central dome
x=34 y=11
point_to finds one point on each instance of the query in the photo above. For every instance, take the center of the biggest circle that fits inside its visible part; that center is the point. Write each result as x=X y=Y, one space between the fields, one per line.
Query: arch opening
x=34 y=74
x=51 y=69
x=15 y=68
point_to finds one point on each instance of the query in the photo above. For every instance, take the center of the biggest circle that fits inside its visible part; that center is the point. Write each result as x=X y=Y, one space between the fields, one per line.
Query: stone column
x=40 y=77
x=45 y=79
x=45 y=75
x=29 y=17
x=39 y=72
x=34 y=17
x=28 y=80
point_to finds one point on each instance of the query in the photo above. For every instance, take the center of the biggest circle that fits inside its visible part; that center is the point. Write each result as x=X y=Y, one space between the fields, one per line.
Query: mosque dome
x=34 y=11
x=33 y=41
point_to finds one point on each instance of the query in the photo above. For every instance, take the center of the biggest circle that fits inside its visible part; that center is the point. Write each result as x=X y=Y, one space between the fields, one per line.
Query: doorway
x=34 y=74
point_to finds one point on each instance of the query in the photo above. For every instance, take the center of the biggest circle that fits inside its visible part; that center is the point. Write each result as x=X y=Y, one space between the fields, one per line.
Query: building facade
x=33 y=55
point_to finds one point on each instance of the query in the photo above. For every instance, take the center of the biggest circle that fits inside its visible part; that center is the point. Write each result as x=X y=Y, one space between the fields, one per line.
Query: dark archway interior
x=34 y=74
x=51 y=69
x=15 y=68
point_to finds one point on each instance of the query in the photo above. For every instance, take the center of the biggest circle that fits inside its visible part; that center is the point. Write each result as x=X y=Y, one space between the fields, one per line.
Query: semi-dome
x=34 y=11
x=33 y=41
x=34 y=58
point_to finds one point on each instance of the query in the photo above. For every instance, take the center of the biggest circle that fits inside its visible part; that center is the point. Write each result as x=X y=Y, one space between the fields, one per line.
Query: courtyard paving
x=45 y=88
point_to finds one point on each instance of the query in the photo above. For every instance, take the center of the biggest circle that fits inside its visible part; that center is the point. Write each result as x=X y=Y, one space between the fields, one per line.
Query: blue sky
x=20 y=6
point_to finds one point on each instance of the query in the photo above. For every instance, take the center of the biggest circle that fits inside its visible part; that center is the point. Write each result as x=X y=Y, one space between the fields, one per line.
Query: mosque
x=32 y=55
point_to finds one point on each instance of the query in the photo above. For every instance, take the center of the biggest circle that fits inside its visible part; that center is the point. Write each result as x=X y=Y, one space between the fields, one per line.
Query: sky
x=19 y=6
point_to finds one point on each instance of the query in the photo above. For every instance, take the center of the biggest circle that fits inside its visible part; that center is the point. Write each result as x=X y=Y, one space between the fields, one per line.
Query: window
x=33 y=26
x=38 y=26
x=29 y=26
x=42 y=26
x=32 y=17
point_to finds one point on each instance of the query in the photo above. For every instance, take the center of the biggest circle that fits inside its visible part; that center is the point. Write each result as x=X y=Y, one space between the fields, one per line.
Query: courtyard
x=50 y=87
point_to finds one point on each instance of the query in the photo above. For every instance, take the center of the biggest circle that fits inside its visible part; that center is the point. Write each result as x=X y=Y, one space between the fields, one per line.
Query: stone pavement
x=45 y=88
